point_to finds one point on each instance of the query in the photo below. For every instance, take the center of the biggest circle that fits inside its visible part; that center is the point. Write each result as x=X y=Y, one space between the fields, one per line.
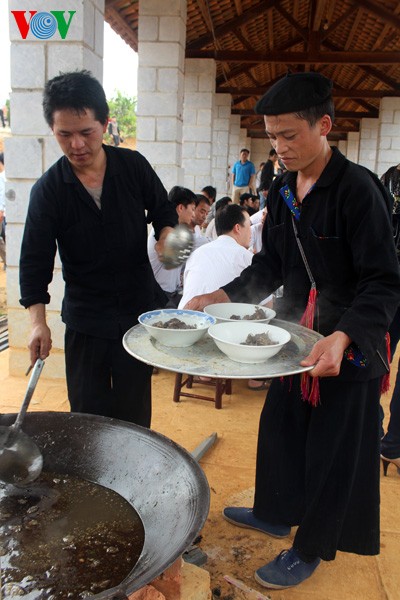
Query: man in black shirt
x=318 y=450
x=91 y=205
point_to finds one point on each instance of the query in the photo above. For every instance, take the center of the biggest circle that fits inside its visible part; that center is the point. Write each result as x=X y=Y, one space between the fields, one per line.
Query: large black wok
x=157 y=477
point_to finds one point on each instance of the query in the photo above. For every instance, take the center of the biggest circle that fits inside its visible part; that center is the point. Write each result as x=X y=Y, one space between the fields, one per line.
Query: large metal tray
x=205 y=359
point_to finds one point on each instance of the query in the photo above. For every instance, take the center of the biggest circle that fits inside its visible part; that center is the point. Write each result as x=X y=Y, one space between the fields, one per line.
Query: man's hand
x=159 y=247
x=327 y=355
x=39 y=343
x=40 y=339
x=199 y=302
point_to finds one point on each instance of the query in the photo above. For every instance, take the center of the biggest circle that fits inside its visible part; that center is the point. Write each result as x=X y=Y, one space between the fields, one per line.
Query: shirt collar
x=328 y=175
x=113 y=165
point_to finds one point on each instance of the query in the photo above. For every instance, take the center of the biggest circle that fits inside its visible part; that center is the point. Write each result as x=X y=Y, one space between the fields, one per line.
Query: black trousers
x=103 y=379
x=318 y=468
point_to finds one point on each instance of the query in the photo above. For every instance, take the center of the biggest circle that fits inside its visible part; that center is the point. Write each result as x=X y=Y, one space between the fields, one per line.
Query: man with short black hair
x=243 y=176
x=221 y=260
x=327 y=239
x=92 y=205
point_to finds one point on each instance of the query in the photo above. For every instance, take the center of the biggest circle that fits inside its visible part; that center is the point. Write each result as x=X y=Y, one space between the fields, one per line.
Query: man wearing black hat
x=327 y=240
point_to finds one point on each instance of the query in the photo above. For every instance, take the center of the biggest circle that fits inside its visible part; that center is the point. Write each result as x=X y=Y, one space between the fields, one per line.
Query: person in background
x=258 y=175
x=113 y=130
x=221 y=260
x=200 y=215
x=2 y=211
x=243 y=176
x=210 y=192
x=390 y=442
x=171 y=280
x=324 y=241
x=268 y=174
x=93 y=205
x=211 y=231
x=250 y=202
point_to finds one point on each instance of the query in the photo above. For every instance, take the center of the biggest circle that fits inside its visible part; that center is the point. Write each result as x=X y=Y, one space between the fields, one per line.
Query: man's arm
x=40 y=338
x=199 y=302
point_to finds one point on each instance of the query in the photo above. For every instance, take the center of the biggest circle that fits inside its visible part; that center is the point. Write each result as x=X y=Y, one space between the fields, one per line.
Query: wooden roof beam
x=319 y=58
x=378 y=10
x=122 y=28
x=248 y=15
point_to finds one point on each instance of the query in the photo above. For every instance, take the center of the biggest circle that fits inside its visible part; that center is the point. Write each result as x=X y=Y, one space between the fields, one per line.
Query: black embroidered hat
x=294 y=92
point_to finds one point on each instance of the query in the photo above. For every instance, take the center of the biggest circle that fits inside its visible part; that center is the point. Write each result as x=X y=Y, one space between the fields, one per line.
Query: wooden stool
x=222 y=386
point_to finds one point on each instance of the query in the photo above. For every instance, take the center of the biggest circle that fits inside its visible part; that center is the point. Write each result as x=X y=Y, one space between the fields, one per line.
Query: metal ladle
x=177 y=247
x=20 y=459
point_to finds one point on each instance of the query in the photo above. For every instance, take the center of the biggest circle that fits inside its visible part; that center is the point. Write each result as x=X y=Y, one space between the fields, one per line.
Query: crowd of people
x=311 y=221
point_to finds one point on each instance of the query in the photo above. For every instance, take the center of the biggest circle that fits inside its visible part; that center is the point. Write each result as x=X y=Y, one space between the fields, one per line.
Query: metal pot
x=157 y=477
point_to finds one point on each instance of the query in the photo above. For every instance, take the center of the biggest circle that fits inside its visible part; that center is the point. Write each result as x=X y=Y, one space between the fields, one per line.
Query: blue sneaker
x=243 y=517
x=286 y=570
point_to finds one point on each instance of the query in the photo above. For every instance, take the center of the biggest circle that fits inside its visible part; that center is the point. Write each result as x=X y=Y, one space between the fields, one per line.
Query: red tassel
x=310 y=389
x=308 y=317
x=385 y=383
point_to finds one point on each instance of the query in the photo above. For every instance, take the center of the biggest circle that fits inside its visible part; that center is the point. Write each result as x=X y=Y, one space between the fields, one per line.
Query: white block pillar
x=342 y=145
x=32 y=149
x=162 y=39
x=220 y=145
x=198 y=112
x=368 y=143
x=389 y=135
x=234 y=146
x=353 y=145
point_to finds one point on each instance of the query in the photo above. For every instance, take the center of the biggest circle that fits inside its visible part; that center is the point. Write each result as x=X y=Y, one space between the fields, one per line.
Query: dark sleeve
x=369 y=233
x=160 y=212
x=38 y=245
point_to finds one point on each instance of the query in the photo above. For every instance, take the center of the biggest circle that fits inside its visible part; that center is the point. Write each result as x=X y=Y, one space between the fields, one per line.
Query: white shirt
x=212 y=266
x=170 y=280
x=211 y=231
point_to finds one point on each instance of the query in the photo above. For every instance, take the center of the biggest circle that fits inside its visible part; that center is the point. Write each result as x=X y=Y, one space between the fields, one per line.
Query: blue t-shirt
x=243 y=172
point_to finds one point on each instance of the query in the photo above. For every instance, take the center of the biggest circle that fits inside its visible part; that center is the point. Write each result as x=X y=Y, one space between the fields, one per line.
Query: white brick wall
x=162 y=38
x=198 y=122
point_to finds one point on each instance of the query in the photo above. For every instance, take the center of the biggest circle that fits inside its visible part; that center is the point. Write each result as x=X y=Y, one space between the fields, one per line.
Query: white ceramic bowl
x=224 y=311
x=229 y=338
x=177 y=338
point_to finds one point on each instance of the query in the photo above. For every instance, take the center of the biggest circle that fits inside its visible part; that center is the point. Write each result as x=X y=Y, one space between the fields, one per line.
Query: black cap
x=293 y=93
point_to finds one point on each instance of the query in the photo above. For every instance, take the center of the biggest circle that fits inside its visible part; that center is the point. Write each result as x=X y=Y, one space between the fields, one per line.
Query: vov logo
x=43 y=25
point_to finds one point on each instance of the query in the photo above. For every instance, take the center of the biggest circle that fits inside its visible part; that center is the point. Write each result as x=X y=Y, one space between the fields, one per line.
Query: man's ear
x=325 y=125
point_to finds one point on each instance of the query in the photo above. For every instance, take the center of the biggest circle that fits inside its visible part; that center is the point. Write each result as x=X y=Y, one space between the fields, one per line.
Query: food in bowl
x=174 y=324
x=258 y=315
x=239 y=311
x=258 y=339
x=193 y=325
x=231 y=339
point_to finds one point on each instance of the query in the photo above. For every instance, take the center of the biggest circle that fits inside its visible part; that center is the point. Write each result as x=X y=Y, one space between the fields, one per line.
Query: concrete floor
x=229 y=466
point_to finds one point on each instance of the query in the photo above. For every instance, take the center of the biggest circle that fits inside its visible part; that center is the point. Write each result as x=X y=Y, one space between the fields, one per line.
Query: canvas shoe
x=243 y=517
x=286 y=570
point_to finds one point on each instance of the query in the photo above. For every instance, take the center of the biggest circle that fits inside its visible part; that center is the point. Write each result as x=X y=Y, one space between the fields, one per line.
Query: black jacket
x=108 y=277
x=345 y=230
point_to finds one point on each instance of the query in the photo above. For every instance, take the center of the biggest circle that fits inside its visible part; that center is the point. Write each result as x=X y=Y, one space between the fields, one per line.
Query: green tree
x=123 y=108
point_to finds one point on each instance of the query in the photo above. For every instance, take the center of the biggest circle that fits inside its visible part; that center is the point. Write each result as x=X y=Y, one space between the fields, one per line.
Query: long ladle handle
x=37 y=369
